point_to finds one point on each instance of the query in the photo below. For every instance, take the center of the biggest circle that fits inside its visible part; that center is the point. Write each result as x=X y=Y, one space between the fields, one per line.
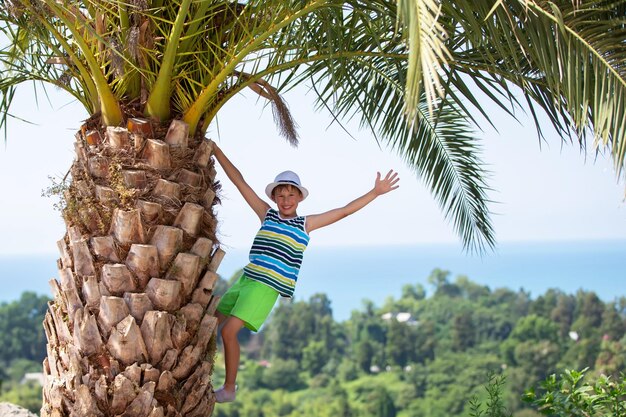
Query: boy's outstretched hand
x=389 y=183
x=381 y=186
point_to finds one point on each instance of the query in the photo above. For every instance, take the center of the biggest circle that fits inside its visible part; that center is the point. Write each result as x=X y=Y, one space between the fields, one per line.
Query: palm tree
x=131 y=328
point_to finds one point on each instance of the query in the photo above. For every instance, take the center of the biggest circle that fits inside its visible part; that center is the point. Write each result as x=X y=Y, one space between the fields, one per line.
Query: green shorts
x=248 y=300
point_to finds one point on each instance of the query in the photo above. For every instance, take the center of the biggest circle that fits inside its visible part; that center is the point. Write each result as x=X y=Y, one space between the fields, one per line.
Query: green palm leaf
x=567 y=58
x=428 y=53
x=439 y=146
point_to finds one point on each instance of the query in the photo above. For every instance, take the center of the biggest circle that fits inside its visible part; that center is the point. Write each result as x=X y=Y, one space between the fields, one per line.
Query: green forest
x=455 y=348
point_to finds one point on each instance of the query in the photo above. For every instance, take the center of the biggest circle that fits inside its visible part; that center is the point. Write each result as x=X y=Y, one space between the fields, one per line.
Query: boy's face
x=287 y=198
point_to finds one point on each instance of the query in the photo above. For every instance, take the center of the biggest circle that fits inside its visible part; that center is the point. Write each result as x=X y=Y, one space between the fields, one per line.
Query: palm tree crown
x=404 y=68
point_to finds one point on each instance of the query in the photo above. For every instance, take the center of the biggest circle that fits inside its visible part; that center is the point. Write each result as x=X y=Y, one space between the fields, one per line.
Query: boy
x=275 y=256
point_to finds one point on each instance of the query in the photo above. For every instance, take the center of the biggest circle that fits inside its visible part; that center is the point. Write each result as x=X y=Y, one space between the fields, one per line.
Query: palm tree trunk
x=131 y=330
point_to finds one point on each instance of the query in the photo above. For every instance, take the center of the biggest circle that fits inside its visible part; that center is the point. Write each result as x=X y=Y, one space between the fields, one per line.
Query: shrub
x=570 y=395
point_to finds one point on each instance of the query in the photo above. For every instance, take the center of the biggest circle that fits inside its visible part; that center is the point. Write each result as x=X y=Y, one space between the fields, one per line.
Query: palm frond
x=77 y=26
x=438 y=146
x=428 y=53
x=32 y=52
x=358 y=75
x=264 y=21
x=282 y=116
x=567 y=58
x=158 y=104
x=402 y=67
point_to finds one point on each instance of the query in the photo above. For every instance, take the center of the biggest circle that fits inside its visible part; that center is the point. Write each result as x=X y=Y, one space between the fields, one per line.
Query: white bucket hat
x=287 y=177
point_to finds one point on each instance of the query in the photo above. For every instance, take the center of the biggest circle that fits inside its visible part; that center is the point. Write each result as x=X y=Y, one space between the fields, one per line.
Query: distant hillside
x=427 y=353
x=430 y=352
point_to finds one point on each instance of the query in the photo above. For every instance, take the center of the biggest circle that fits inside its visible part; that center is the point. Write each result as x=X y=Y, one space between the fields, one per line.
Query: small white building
x=402 y=317
x=38 y=377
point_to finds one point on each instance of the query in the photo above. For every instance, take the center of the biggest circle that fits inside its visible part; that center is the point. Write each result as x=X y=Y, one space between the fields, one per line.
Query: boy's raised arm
x=381 y=186
x=259 y=206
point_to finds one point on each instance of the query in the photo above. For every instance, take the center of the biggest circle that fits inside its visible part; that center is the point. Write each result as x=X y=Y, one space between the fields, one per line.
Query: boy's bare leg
x=229 y=332
x=220 y=318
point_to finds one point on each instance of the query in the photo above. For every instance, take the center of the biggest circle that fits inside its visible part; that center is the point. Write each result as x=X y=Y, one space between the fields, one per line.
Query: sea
x=350 y=275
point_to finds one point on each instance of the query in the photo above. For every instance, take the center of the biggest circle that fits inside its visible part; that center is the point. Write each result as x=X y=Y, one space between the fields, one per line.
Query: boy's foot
x=222 y=395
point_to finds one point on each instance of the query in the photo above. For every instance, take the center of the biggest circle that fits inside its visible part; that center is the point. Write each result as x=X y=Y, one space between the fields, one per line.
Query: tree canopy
x=21 y=333
x=432 y=355
x=410 y=356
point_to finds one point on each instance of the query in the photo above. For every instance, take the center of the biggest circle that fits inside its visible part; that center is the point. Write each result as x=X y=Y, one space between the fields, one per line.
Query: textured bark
x=131 y=330
x=117 y=137
x=135 y=179
x=83 y=261
x=189 y=178
x=112 y=311
x=169 y=191
x=140 y=127
x=138 y=304
x=157 y=154
x=87 y=338
x=167 y=240
x=117 y=279
x=66 y=259
x=216 y=260
x=143 y=261
x=186 y=270
x=127 y=227
x=177 y=134
x=93 y=138
x=104 y=247
x=203 y=248
x=91 y=292
x=150 y=212
x=165 y=294
x=98 y=166
x=190 y=218
x=106 y=195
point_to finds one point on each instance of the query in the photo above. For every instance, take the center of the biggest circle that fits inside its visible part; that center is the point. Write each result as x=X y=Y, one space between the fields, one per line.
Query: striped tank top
x=276 y=253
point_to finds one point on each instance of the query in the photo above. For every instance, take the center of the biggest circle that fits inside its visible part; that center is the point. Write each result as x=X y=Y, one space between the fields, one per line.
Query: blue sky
x=547 y=194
